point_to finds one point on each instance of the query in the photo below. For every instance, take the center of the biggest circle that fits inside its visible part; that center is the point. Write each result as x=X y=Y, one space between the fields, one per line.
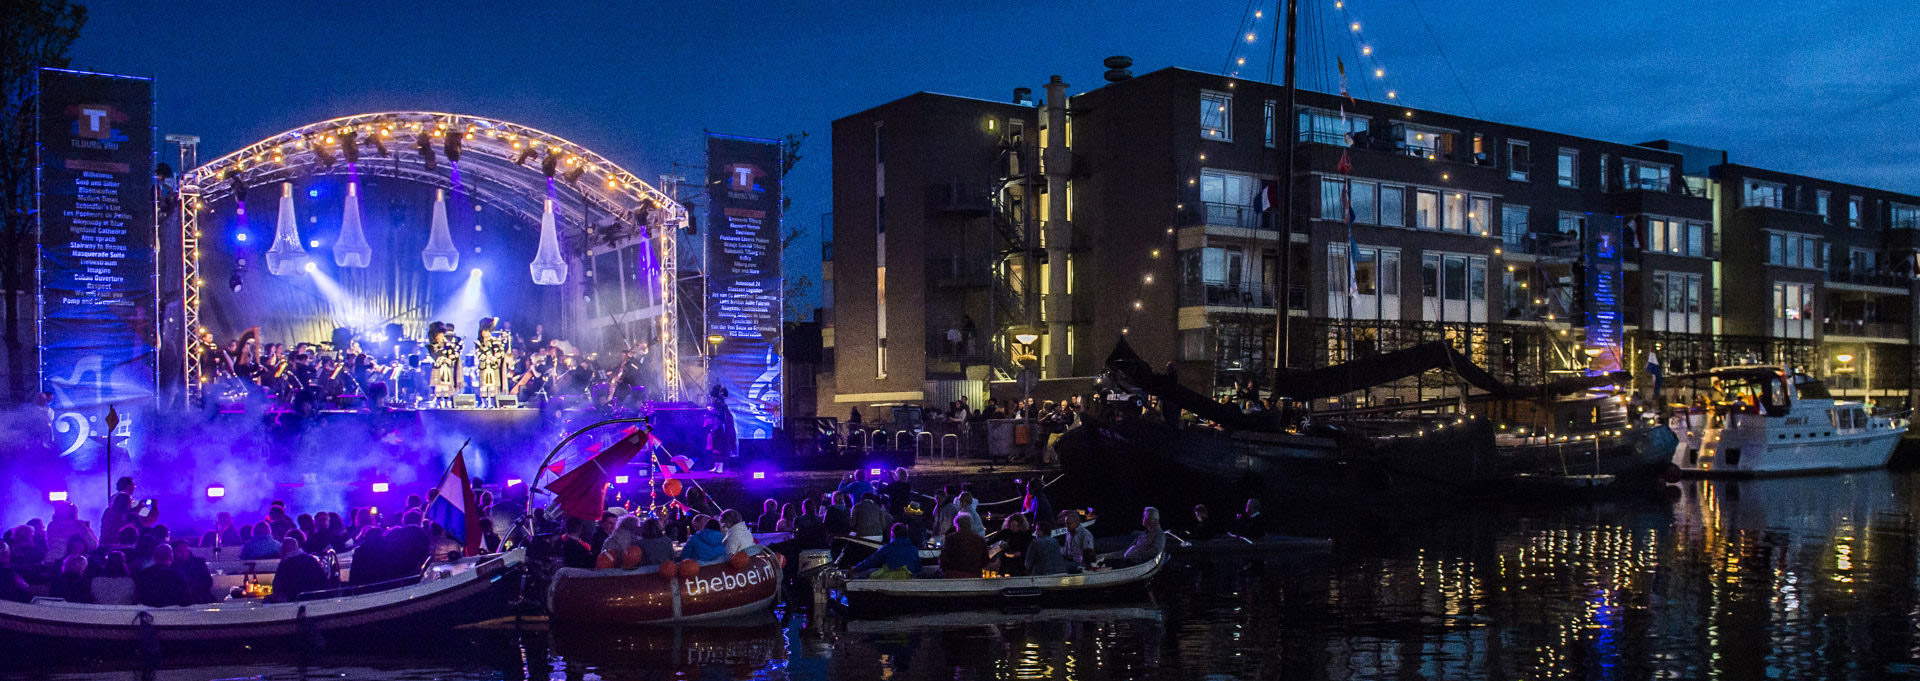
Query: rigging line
x=1437 y=47
x=1246 y=24
x=1365 y=82
x=1279 y=37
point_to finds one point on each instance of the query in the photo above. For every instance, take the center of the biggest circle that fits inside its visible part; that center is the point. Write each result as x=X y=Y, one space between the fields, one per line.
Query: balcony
x=1865 y=329
x=960 y=198
x=1222 y=295
x=1658 y=198
x=1224 y=215
x=1870 y=278
x=1547 y=245
x=960 y=271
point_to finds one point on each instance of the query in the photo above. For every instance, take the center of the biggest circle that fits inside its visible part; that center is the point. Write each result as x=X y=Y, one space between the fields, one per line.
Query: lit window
x=1570 y=168
x=1216 y=116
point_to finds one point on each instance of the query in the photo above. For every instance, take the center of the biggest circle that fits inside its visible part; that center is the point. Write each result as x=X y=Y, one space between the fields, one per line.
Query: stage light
x=216 y=492
x=313 y=193
x=476 y=271
x=424 y=145
x=350 y=146
x=620 y=479
x=574 y=174
x=526 y=152
x=759 y=475
x=550 y=164
x=310 y=267
x=239 y=186
x=380 y=488
x=313 y=243
x=513 y=482
x=56 y=496
x=873 y=471
x=241 y=237
x=452 y=147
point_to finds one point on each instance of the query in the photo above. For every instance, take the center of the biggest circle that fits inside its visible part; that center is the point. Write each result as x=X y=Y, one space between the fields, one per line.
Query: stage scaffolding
x=507 y=166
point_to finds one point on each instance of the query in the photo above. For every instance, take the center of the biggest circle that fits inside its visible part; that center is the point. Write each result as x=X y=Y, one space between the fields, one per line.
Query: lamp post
x=1846 y=365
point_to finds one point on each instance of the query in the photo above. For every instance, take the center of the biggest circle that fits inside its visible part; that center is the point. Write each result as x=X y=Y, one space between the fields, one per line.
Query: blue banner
x=744 y=285
x=99 y=330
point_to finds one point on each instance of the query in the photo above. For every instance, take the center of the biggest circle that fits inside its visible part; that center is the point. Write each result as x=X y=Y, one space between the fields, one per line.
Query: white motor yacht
x=1766 y=420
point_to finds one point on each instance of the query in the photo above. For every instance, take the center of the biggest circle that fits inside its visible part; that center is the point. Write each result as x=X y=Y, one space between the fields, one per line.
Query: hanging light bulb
x=440 y=255
x=286 y=256
x=351 y=249
x=548 y=268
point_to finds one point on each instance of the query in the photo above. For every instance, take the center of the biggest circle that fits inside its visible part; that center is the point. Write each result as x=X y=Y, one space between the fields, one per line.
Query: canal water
x=1802 y=578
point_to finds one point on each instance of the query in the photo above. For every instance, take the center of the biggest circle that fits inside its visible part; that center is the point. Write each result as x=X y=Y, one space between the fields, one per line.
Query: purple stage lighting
x=873 y=471
x=380 y=488
x=759 y=475
x=513 y=482
x=216 y=492
x=620 y=479
x=56 y=496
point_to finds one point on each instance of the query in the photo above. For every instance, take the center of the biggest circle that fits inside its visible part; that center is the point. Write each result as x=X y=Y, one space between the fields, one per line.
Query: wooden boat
x=444 y=596
x=866 y=597
x=644 y=596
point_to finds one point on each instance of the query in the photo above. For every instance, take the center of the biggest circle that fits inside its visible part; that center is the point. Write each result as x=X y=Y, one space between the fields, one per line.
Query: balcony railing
x=1226 y=215
x=1226 y=296
x=1549 y=244
x=1868 y=278
x=1866 y=329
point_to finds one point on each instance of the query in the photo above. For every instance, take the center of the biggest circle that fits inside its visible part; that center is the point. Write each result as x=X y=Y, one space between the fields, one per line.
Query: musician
x=629 y=390
x=490 y=358
x=721 y=433
x=445 y=348
x=535 y=375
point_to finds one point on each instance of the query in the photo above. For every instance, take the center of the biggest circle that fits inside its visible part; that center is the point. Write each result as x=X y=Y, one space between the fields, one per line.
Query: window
x=1795 y=250
x=1820 y=206
x=1272 y=134
x=1228 y=198
x=1765 y=194
x=1792 y=311
x=1674 y=298
x=1513 y=224
x=1519 y=160
x=1573 y=224
x=1776 y=249
x=1194 y=345
x=1569 y=168
x=1426 y=211
x=1479 y=215
x=1376 y=287
x=1860 y=260
x=1365 y=209
x=1656 y=235
x=1455 y=286
x=1430 y=275
x=1454 y=277
x=1425 y=142
x=1393 y=206
x=1853 y=211
x=1697 y=239
x=1903 y=216
x=1673 y=236
x=1213 y=265
x=880 y=251
x=1456 y=215
x=1216 y=116
x=1479 y=149
x=1646 y=175
x=1330 y=202
x=1326 y=127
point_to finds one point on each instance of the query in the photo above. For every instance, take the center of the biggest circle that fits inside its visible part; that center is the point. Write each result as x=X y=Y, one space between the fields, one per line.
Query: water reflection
x=1792 y=578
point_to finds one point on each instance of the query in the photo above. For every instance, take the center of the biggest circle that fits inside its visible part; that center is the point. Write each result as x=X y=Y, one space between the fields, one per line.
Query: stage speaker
x=508 y=401
x=465 y=401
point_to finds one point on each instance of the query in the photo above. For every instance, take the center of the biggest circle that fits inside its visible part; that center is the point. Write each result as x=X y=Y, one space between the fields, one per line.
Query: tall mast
x=1282 y=329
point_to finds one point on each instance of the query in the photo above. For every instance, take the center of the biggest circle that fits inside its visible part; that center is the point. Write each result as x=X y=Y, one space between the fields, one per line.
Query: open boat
x=866 y=597
x=642 y=595
x=445 y=595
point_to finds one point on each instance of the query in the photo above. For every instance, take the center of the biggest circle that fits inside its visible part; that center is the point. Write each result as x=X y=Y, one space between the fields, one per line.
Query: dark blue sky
x=1817 y=88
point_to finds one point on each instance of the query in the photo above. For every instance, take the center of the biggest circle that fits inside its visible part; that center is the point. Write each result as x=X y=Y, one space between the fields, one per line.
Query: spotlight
x=476 y=271
x=235 y=282
x=241 y=237
x=425 y=146
x=313 y=243
x=550 y=164
x=350 y=146
x=526 y=152
x=620 y=479
x=321 y=153
x=163 y=171
x=513 y=482
x=239 y=186
x=216 y=492
x=380 y=488
x=873 y=471
x=574 y=175
x=56 y=496
x=312 y=267
x=759 y=475
x=380 y=142
x=452 y=146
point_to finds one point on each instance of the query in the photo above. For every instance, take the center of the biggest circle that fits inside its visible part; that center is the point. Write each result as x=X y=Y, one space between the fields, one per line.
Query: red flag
x=1346 y=163
x=583 y=490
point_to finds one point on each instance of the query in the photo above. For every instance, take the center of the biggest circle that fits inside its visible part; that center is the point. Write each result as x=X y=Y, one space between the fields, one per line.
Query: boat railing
x=358 y=589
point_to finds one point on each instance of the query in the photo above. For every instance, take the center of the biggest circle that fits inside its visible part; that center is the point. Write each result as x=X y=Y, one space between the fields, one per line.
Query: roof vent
x=1023 y=96
x=1117 y=66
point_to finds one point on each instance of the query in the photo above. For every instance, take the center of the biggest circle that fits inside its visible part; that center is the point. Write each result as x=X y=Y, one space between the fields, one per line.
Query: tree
x=797 y=287
x=33 y=34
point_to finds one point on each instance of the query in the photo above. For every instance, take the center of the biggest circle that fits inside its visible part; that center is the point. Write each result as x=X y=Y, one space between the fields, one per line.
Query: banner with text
x=744 y=283
x=99 y=333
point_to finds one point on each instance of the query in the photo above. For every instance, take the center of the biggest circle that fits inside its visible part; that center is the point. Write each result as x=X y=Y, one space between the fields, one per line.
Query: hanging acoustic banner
x=549 y=269
x=351 y=249
x=440 y=254
x=287 y=256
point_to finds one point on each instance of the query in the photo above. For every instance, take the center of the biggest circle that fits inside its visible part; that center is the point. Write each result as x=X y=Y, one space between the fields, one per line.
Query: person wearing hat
x=918 y=523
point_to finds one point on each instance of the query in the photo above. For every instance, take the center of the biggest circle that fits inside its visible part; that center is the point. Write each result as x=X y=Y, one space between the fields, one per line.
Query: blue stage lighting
x=241 y=237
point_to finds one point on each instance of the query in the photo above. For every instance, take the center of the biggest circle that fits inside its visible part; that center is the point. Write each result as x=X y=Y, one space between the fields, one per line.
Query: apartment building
x=1151 y=209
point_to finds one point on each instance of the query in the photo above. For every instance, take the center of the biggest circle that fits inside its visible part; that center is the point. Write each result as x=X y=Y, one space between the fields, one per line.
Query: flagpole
x=1283 y=326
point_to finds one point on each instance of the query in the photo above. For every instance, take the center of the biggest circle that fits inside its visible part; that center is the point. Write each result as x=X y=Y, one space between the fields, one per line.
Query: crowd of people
x=66 y=557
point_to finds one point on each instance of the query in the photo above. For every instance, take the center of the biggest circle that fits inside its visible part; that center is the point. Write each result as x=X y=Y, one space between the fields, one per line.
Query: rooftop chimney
x=1117 y=66
x=1023 y=96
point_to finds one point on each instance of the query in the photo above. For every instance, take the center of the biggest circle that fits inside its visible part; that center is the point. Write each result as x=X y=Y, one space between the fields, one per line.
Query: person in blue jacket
x=707 y=545
x=897 y=559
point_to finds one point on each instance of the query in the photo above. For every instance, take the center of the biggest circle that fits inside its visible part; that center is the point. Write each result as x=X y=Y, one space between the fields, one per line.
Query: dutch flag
x=454 y=508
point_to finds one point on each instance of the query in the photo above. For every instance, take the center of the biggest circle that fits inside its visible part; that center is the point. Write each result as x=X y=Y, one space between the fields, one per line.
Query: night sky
x=1823 y=89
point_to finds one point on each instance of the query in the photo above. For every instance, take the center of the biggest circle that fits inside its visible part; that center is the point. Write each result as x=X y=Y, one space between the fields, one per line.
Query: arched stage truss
x=504 y=165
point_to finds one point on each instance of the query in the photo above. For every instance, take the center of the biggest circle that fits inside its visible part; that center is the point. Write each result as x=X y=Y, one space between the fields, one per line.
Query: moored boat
x=643 y=595
x=1765 y=420
x=870 y=597
x=444 y=596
